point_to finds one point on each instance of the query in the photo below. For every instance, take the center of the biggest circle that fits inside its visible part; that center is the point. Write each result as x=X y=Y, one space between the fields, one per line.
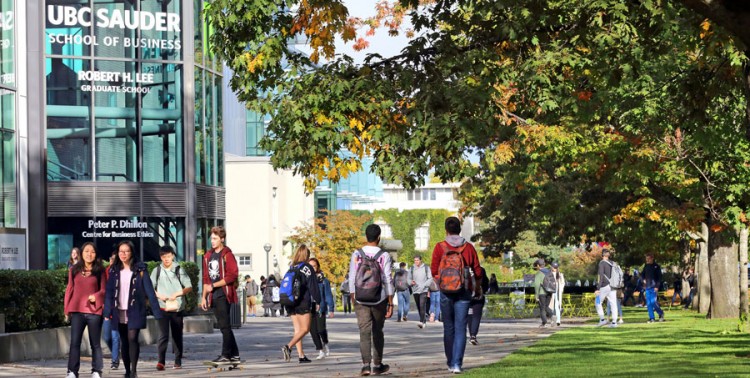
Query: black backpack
x=368 y=281
x=549 y=284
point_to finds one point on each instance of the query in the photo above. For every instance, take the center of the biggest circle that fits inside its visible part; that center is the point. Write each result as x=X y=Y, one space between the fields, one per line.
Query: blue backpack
x=291 y=286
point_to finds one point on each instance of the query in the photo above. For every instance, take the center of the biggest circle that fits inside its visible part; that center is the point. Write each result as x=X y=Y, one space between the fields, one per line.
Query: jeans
x=653 y=304
x=689 y=299
x=371 y=320
x=347 y=301
x=435 y=304
x=403 y=304
x=420 y=299
x=455 y=309
x=619 y=308
x=229 y=343
x=112 y=339
x=475 y=317
x=170 y=321
x=78 y=322
x=318 y=330
x=544 y=310
x=677 y=292
x=611 y=296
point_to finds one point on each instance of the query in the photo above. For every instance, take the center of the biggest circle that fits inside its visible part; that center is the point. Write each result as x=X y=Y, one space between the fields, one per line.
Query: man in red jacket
x=219 y=278
x=455 y=305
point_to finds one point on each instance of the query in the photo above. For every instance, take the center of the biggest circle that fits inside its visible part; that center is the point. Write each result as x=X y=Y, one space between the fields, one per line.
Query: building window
x=433 y=195
x=385 y=230
x=422 y=237
x=246 y=261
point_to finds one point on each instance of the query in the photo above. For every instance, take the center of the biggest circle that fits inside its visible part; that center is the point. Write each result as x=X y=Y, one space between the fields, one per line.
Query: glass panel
x=68 y=120
x=161 y=232
x=255 y=129
x=198 y=25
x=163 y=41
x=219 y=131
x=116 y=31
x=116 y=127
x=162 y=123
x=200 y=157
x=8 y=156
x=210 y=122
x=7 y=43
x=68 y=36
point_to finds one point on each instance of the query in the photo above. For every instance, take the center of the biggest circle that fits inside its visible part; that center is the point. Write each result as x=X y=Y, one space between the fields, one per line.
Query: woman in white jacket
x=556 y=301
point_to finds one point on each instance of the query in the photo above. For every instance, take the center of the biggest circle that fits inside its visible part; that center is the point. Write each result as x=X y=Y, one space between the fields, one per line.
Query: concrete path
x=409 y=351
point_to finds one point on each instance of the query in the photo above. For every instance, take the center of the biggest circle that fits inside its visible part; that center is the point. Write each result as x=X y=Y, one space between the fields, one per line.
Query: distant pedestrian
x=75 y=255
x=454 y=299
x=308 y=301
x=630 y=286
x=220 y=275
x=264 y=301
x=558 y=294
x=651 y=278
x=271 y=296
x=251 y=292
x=171 y=285
x=110 y=333
x=128 y=288
x=345 y=299
x=604 y=290
x=373 y=296
x=494 y=288
x=690 y=279
x=419 y=279
x=476 y=306
x=403 y=288
x=542 y=296
x=83 y=305
x=677 y=286
x=318 y=329
x=435 y=315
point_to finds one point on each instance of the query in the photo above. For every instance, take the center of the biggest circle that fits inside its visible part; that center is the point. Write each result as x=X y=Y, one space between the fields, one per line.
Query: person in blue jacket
x=128 y=288
x=318 y=329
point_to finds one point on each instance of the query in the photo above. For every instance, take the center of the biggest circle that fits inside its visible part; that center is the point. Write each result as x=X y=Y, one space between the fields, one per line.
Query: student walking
x=128 y=288
x=251 y=292
x=476 y=306
x=84 y=300
x=171 y=286
x=420 y=278
x=435 y=303
x=542 y=296
x=110 y=333
x=454 y=297
x=300 y=310
x=401 y=285
x=220 y=276
x=318 y=330
x=372 y=290
x=557 y=295
x=345 y=299
x=604 y=290
x=651 y=275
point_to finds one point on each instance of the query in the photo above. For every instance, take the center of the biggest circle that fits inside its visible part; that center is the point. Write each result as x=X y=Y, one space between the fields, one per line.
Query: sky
x=380 y=43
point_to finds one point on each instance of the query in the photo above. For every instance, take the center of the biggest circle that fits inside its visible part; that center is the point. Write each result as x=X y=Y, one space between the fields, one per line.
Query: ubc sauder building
x=111 y=128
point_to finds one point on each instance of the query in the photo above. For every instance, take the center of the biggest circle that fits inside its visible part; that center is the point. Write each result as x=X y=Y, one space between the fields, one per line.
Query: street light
x=267 y=248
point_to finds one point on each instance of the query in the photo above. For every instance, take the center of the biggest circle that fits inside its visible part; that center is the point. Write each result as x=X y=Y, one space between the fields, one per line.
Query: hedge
x=33 y=299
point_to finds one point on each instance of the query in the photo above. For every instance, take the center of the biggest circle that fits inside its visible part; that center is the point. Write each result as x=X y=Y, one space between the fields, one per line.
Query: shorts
x=300 y=309
x=251 y=300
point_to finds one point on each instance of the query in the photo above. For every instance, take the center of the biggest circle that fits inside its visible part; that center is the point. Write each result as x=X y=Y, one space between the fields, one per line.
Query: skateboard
x=220 y=366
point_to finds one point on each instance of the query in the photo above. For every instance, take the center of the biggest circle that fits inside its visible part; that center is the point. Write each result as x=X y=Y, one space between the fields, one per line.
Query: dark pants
x=455 y=310
x=130 y=349
x=475 y=316
x=371 y=320
x=170 y=321
x=544 y=310
x=628 y=295
x=221 y=312
x=420 y=300
x=78 y=322
x=318 y=330
x=347 y=300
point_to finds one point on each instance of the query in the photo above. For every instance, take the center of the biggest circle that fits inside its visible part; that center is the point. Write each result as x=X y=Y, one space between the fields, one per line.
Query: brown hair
x=302 y=254
x=219 y=231
x=317 y=263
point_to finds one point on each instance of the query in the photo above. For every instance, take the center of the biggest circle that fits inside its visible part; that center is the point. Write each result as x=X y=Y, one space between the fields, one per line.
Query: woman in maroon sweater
x=84 y=300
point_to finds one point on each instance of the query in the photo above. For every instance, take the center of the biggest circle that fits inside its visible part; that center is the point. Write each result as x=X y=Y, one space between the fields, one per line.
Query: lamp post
x=267 y=248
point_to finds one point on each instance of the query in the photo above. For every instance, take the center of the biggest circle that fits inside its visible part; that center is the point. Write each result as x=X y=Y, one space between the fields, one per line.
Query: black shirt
x=214 y=273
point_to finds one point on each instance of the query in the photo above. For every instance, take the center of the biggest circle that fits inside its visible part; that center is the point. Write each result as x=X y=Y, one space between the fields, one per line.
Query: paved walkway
x=409 y=351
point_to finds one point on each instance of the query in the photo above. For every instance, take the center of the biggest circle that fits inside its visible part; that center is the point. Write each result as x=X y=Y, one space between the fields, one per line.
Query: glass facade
x=209 y=128
x=256 y=129
x=8 y=98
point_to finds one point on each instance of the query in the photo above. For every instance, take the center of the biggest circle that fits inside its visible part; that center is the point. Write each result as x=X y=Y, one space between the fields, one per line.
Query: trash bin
x=235 y=315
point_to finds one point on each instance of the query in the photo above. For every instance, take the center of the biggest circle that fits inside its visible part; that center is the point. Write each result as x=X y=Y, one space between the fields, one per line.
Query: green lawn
x=686 y=345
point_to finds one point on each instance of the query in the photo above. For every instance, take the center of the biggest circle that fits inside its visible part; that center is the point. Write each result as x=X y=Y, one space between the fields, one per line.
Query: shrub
x=32 y=299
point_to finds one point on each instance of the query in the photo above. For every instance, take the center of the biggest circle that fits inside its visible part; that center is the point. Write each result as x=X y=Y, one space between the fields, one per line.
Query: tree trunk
x=743 y=272
x=685 y=263
x=703 y=293
x=723 y=263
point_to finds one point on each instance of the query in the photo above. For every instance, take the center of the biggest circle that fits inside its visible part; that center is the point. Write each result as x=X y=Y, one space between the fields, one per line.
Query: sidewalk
x=408 y=350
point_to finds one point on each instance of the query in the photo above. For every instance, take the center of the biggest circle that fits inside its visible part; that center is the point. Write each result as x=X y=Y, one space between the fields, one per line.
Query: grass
x=686 y=345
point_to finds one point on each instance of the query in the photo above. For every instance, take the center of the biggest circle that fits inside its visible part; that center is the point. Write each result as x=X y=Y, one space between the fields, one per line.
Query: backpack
x=549 y=284
x=451 y=272
x=368 y=281
x=400 y=280
x=176 y=273
x=616 y=280
x=291 y=286
x=275 y=294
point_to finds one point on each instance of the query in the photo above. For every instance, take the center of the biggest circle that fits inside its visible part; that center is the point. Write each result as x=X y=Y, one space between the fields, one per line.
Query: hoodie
x=468 y=253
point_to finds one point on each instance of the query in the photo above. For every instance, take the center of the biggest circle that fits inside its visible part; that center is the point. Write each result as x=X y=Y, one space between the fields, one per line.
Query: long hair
x=97 y=268
x=78 y=254
x=133 y=258
x=317 y=263
x=301 y=255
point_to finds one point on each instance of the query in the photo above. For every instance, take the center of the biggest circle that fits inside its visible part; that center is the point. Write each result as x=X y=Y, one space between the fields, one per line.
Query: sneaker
x=651 y=321
x=326 y=350
x=613 y=325
x=457 y=370
x=220 y=360
x=543 y=326
x=473 y=340
x=380 y=369
x=399 y=319
x=235 y=359
x=252 y=316
x=661 y=319
x=71 y=375
x=287 y=353
x=304 y=360
x=177 y=365
x=404 y=318
x=96 y=375
x=420 y=325
x=424 y=324
x=558 y=324
x=159 y=366
x=620 y=321
x=115 y=365
x=321 y=355
x=365 y=370
x=602 y=322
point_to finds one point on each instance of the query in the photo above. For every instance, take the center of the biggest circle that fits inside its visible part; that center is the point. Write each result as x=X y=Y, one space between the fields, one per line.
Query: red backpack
x=451 y=270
